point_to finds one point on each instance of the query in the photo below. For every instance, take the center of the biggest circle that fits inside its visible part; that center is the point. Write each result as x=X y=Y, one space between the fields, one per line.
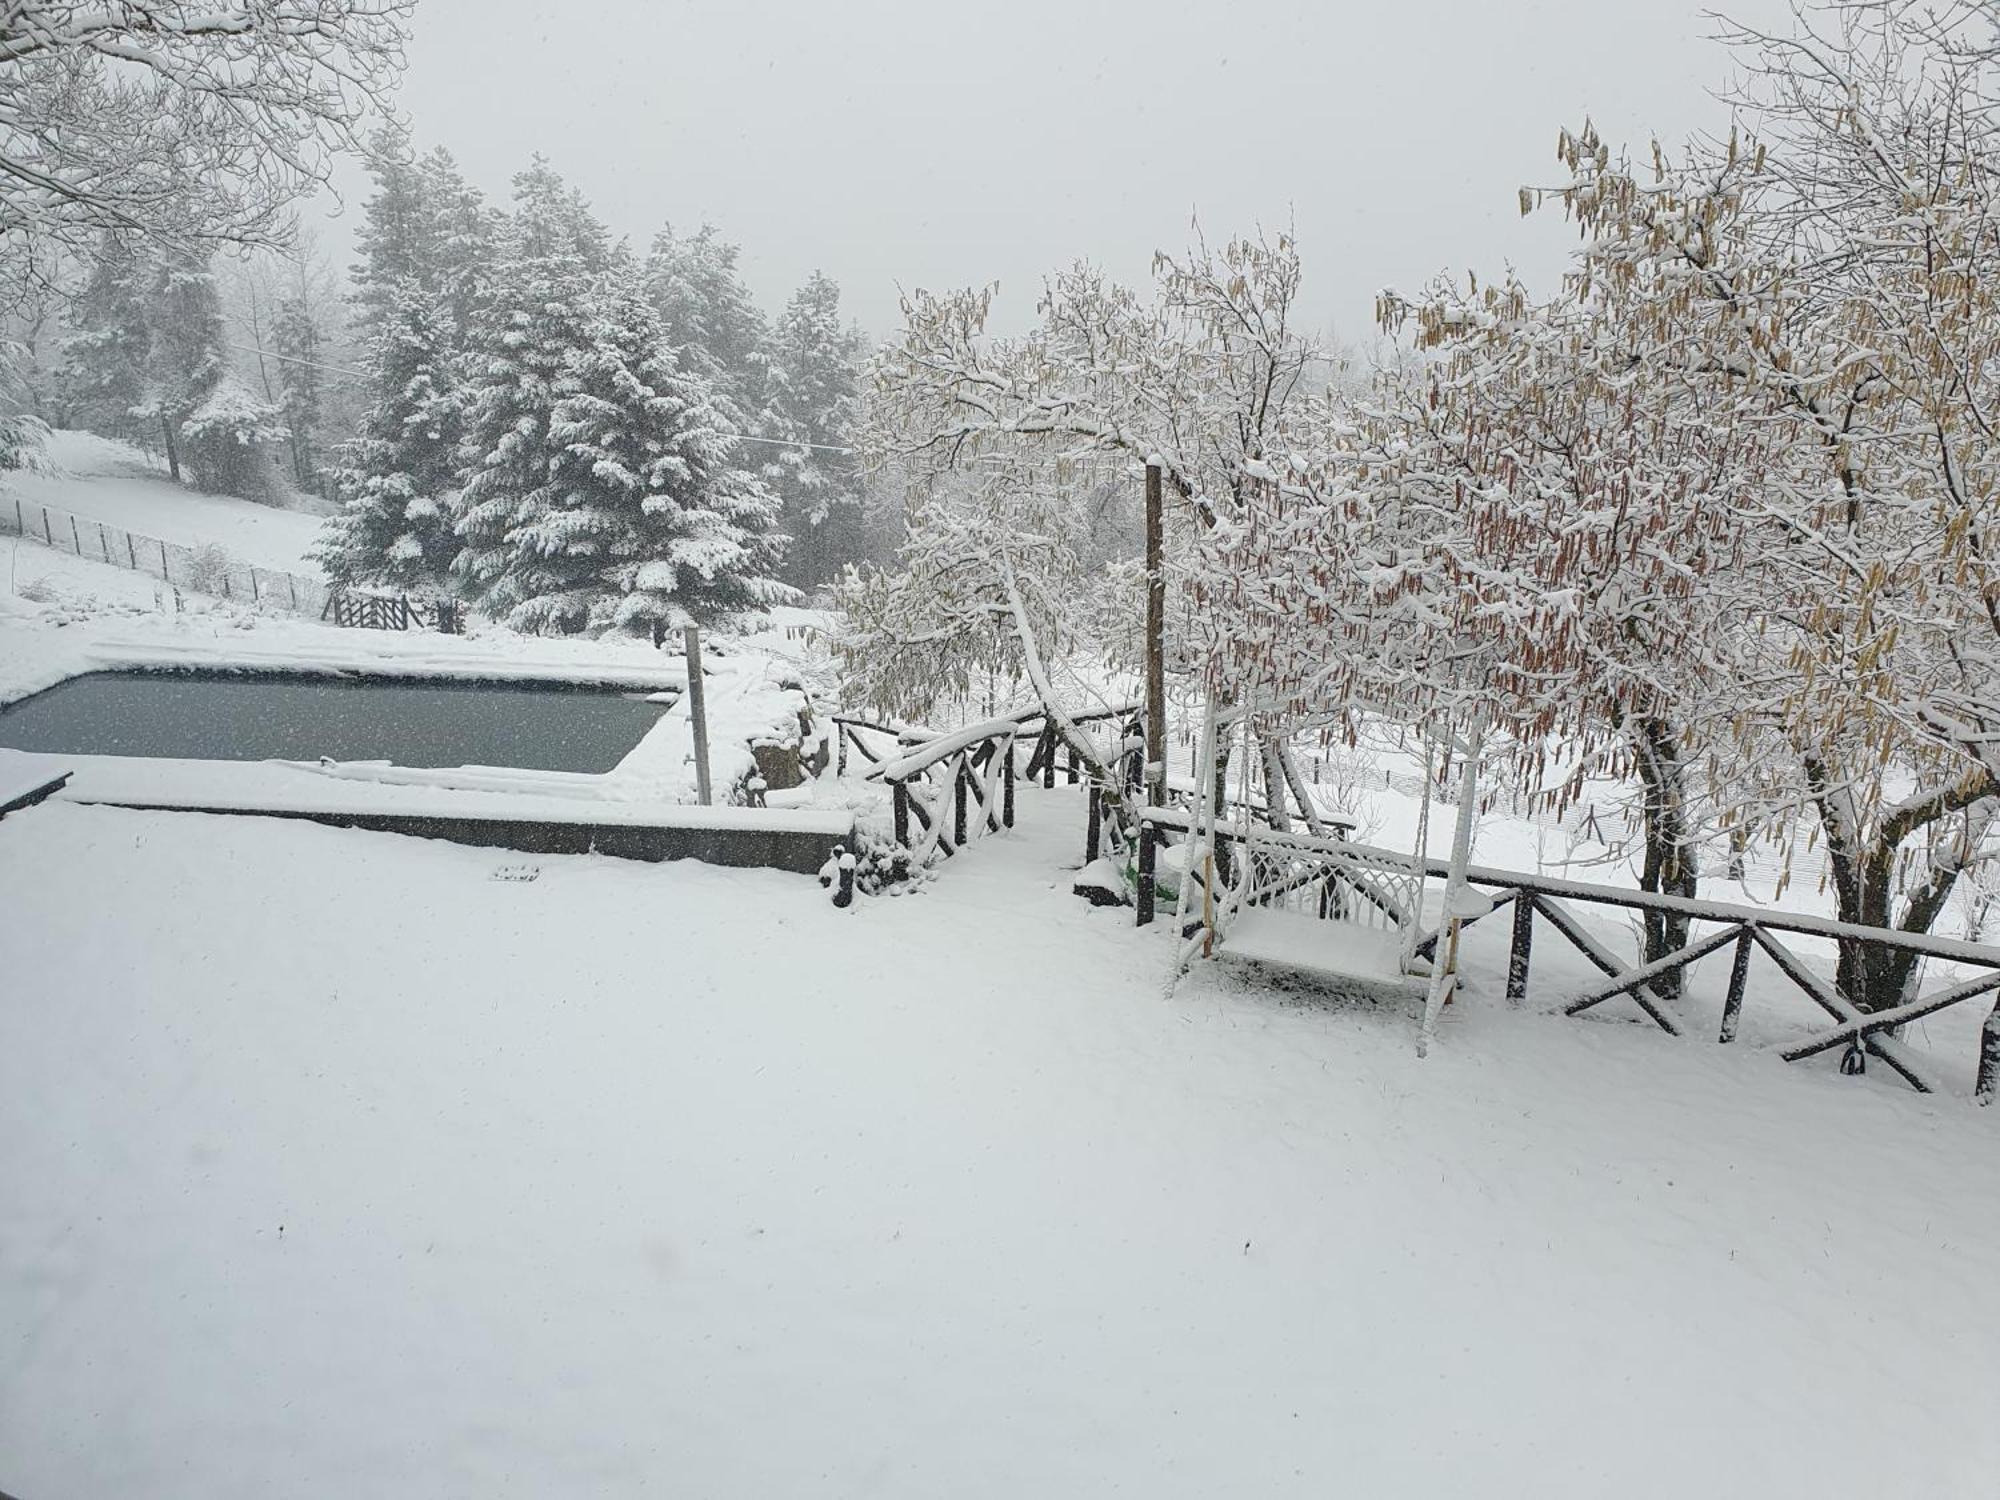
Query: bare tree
x=199 y=122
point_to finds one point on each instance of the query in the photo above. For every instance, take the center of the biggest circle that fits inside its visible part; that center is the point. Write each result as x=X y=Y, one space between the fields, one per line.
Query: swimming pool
x=544 y=726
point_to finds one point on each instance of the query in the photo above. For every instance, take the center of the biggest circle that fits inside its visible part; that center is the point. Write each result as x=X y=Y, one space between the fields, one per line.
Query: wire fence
x=208 y=569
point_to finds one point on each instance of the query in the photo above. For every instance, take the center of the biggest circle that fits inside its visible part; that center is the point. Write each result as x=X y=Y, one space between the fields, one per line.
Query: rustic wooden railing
x=1749 y=929
x=949 y=789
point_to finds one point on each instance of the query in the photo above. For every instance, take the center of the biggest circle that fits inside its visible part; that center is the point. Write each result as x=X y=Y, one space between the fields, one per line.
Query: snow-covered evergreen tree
x=299 y=341
x=538 y=322
x=706 y=313
x=812 y=402
x=649 y=502
x=102 y=383
x=395 y=523
x=185 y=358
x=427 y=253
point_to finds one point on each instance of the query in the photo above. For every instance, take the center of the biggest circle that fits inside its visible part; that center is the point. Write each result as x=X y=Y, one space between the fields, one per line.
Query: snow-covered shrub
x=881 y=865
x=22 y=442
x=207 y=569
x=231 y=443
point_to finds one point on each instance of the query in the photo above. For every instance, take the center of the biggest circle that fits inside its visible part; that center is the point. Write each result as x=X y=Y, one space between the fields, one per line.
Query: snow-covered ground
x=343 y=1163
x=103 y=480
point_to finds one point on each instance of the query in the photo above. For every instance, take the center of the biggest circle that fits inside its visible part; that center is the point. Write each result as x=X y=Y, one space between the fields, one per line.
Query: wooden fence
x=371 y=611
x=1746 y=930
x=208 y=570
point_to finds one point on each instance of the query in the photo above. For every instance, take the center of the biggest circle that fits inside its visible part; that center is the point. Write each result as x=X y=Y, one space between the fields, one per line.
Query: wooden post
x=1156 y=646
x=1987 y=1086
x=1517 y=955
x=1069 y=763
x=1147 y=859
x=1048 y=754
x=103 y=542
x=75 y=538
x=292 y=583
x=47 y=535
x=1739 y=974
x=164 y=576
x=840 y=740
x=698 y=711
x=1093 y=835
x=961 y=775
x=902 y=800
x=1007 y=788
x=131 y=552
x=253 y=583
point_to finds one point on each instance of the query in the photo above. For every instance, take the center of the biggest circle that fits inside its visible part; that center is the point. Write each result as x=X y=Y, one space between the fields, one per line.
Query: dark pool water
x=233 y=716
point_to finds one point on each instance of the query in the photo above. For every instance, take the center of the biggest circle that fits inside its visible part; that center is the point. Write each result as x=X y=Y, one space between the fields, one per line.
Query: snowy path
x=676 y=1180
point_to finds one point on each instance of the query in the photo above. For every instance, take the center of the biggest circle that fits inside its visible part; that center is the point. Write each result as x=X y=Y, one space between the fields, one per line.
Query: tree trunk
x=173 y=449
x=1863 y=863
x=1669 y=867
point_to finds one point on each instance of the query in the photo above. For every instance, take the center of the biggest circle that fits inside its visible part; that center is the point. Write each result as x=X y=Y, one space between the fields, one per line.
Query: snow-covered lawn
x=338 y=1164
x=107 y=481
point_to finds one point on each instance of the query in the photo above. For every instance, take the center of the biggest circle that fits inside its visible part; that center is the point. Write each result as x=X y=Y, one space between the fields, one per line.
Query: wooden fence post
x=1093 y=833
x=1048 y=753
x=697 y=710
x=1147 y=858
x=75 y=537
x=1518 y=953
x=47 y=535
x=1155 y=768
x=131 y=552
x=961 y=774
x=902 y=800
x=1987 y=1086
x=840 y=741
x=103 y=542
x=1007 y=787
x=1739 y=974
x=165 y=575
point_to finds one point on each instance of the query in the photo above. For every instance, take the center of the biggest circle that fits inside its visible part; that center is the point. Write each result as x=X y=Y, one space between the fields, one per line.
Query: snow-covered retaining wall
x=799 y=840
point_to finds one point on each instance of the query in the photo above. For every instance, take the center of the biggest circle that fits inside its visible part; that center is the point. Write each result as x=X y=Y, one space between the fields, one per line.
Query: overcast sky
x=937 y=144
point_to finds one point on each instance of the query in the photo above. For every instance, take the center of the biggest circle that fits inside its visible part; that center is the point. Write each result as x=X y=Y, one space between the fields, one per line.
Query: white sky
x=938 y=144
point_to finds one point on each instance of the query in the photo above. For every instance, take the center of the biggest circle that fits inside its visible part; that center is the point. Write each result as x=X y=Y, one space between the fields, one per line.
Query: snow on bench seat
x=1318 y=946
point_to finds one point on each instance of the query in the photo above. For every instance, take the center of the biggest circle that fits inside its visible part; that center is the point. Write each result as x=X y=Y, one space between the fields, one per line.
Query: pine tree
x=427 y=250
x=659 y=522
x=459 y=236
x=395 y=523
x=813 y=402
x=396 y=237
x=299 y=341
x=184 y=357
x=103 y=377
x=538 y=323
x=709 y=320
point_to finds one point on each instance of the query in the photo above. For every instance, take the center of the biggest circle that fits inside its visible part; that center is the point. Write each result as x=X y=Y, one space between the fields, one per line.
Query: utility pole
x=698 y=711
x=1156 y=645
